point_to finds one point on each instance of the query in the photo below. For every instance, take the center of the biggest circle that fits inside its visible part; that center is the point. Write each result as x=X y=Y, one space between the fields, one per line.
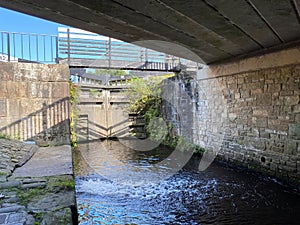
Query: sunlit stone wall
x=247 y=112
x=34 y=102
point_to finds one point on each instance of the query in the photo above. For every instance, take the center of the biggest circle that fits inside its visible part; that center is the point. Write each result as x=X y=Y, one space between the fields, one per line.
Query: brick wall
x=250 y=118
x=34 y=102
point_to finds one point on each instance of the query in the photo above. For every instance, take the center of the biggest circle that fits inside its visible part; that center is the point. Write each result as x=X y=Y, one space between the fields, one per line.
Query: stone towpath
x=36 y=184
x=47 y=161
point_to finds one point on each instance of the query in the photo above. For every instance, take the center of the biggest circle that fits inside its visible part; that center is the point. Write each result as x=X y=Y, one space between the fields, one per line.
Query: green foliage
x=16 y=136
x=26 y=195
x=144 y=97
x=3 y=174
x=188 y=145
x=61 y=183
x=198 y=149
x=74 y=100
x=110 y=72
x=171 y=138
x=144 y=94
x=4 y=136
x=38 y=217
x=53 y=185
x=185 y=145
x=74 y=93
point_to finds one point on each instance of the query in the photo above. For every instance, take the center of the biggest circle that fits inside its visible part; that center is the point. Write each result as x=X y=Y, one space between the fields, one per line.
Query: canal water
x=112 y=188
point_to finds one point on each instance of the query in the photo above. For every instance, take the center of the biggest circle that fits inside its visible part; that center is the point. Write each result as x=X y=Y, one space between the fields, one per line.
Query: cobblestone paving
x=14 y=154
x=32 y=200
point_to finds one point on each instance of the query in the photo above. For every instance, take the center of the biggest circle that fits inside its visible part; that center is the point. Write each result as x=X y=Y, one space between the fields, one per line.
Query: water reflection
x=219 y=195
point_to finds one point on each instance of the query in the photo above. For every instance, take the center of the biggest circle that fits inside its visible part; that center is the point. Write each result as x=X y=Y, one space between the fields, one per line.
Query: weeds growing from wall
x=15 y=136
x=74 y=100
x=4 y=136
x=145 y=99
x=144 y=96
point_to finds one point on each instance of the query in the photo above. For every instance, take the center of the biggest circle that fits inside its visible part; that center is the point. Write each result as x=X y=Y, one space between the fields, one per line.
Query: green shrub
x=4 y=136
x=74 y=100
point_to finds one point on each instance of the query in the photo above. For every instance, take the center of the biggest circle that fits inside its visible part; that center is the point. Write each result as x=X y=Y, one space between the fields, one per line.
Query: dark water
x=219 y=195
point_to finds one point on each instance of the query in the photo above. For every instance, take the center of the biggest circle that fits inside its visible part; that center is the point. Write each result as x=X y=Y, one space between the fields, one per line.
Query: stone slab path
x=36 y=184
x=47 y=161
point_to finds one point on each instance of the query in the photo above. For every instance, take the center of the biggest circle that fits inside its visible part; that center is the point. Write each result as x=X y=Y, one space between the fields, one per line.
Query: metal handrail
x=45 y=48
x=28 y=47
x=72 y=45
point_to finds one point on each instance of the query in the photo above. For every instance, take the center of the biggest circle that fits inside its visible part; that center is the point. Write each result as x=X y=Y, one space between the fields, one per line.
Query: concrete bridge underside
x=211 y=31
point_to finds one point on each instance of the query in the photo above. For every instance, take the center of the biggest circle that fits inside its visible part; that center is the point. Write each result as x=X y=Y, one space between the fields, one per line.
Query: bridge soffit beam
x=257 y=26
x=145 y=22
x=214 y=20
x=181 y=23
x=84 y=18
x=87 y=18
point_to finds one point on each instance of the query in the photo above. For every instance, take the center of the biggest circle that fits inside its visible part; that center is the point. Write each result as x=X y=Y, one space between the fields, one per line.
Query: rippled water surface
x=112 y=188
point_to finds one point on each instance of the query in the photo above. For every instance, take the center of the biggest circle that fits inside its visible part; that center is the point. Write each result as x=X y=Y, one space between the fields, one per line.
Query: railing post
x=141 y=54
x=44 y=37
x=37 y=47
x=69 y=46
x=8 y=47
x=109 y=52
x=22 y=47
x=146 y=55
x=29 y=46
x=14 y=44
x=56 y=57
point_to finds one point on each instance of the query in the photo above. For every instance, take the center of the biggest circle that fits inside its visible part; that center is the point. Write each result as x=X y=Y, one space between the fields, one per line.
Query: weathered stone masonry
x=34 y=102
x=252 y=112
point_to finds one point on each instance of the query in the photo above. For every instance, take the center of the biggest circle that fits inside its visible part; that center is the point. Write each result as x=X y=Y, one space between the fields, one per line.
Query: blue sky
x=17 y=22
x=41 y=48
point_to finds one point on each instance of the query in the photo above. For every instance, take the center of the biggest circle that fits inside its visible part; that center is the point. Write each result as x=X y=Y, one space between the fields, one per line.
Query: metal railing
x=76 y=44
x=77 y=47
x=23 y=47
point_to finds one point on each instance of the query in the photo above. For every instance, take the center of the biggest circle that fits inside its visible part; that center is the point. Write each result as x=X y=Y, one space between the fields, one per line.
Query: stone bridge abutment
x=250 y=107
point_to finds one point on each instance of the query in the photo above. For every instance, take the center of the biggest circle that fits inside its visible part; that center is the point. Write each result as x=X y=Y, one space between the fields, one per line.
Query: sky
x=28 y=47
x=18 y=22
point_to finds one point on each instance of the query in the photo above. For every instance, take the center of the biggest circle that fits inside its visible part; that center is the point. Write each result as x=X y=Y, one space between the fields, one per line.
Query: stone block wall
x=249 y=117
x=34 y=102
